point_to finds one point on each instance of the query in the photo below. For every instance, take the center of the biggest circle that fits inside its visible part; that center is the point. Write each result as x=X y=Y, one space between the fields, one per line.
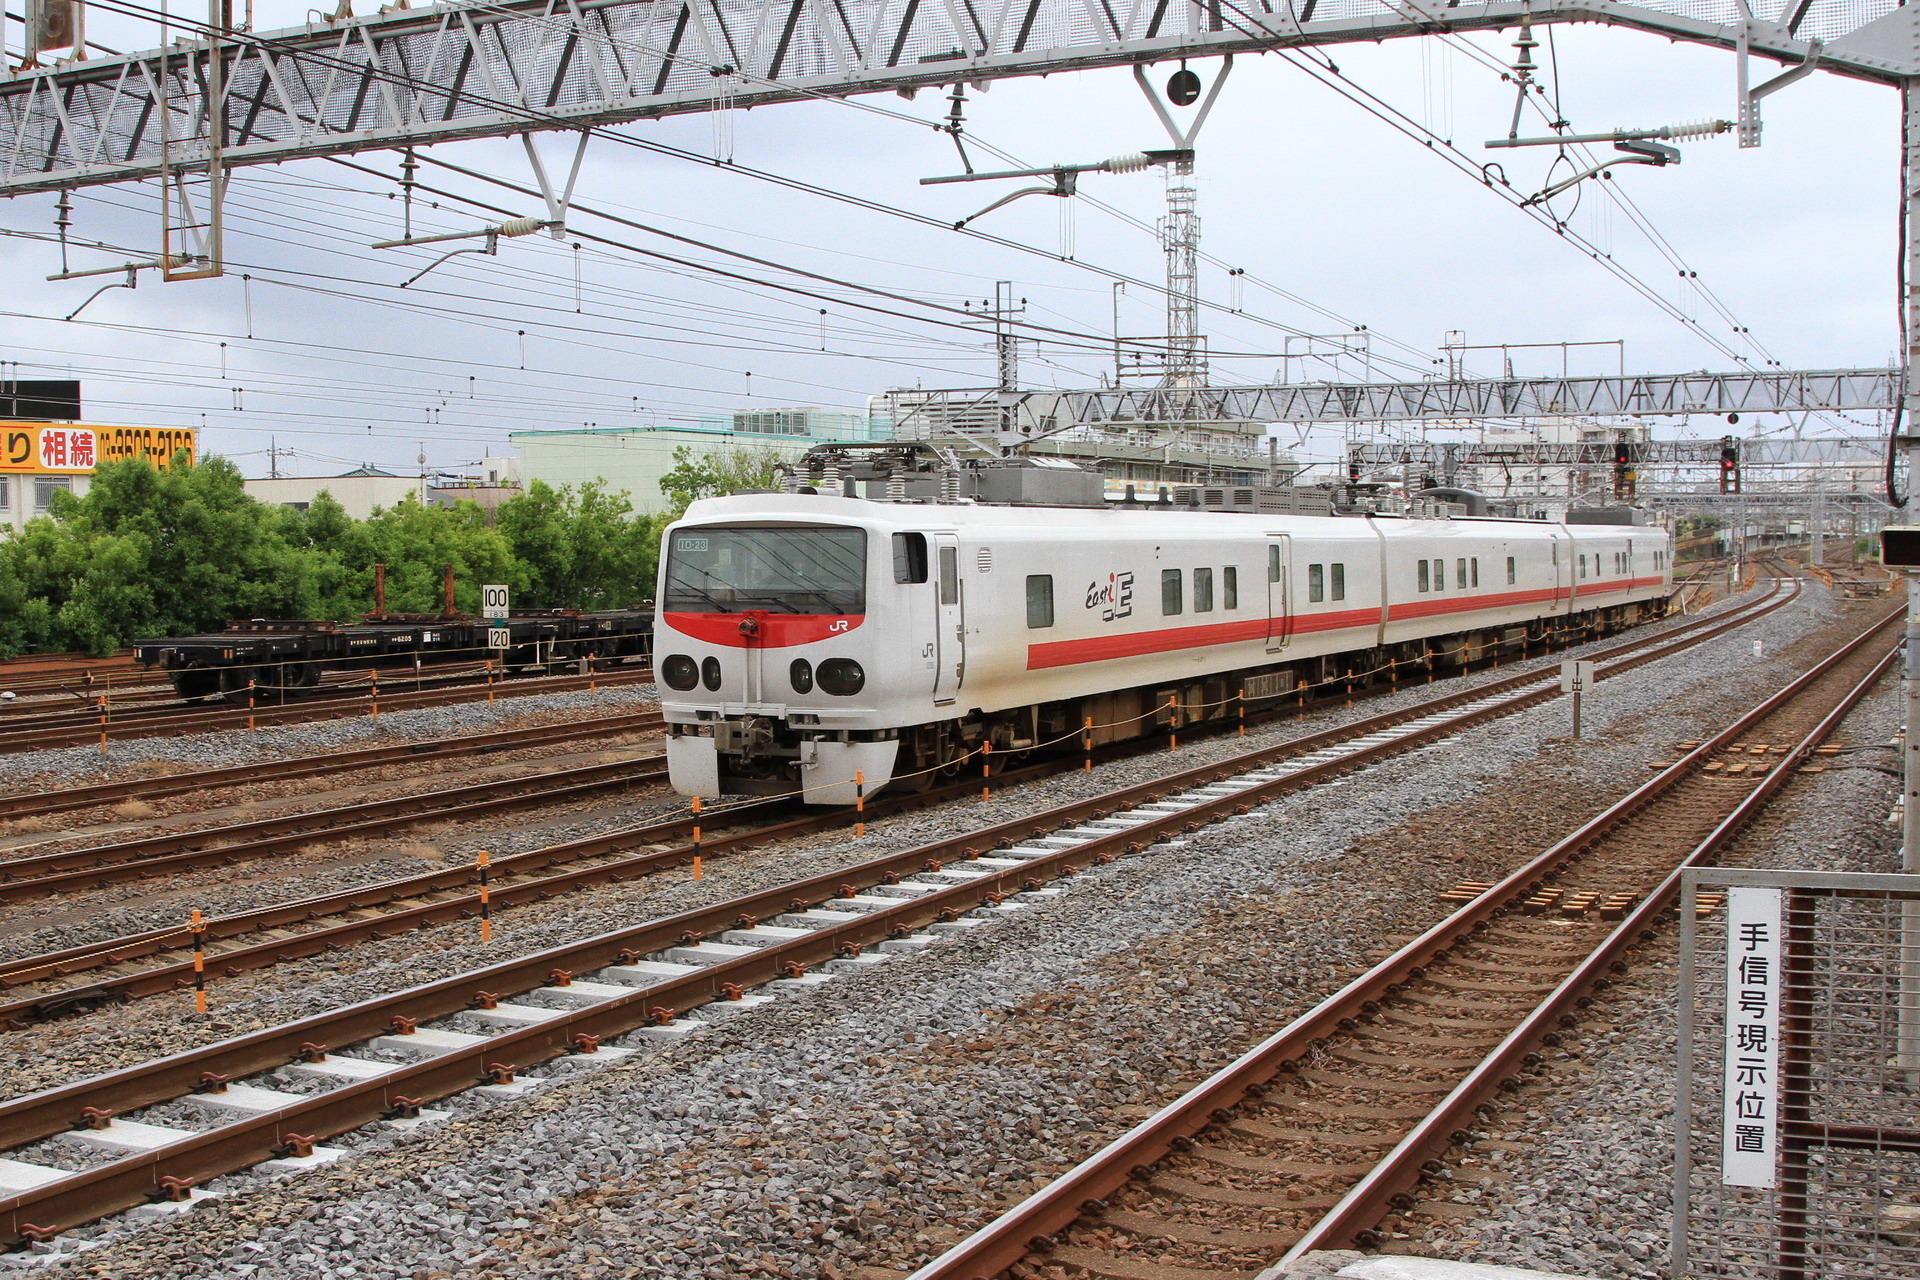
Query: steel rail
x=29 y=803
x=1400 y=1170
x=169 y=977
x=23 y=879
x=141 y=705
x=128 y=1181
x=1012 y=1236
x=303 y=710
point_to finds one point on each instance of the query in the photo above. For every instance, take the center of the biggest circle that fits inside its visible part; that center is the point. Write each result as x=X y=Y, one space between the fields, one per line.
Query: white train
x=804 y=641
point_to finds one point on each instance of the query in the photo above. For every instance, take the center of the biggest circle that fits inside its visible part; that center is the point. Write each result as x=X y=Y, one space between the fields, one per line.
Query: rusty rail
x=1011 y=1237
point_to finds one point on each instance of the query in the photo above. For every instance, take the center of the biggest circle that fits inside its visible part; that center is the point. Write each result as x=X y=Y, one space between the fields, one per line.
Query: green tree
x=148 y=552
x=414 y=541
x=584 y=549
x=716 y=472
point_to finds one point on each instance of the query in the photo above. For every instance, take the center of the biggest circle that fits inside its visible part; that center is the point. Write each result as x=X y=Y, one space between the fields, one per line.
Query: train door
x=950 y=622
x=1279 y=599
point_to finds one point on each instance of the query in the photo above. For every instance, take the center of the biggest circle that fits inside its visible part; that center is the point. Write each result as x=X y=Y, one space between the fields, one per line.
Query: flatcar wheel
x=195 y=684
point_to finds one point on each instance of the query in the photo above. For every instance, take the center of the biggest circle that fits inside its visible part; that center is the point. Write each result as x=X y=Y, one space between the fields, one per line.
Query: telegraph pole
x=1910 y=449
x=1908 y=1055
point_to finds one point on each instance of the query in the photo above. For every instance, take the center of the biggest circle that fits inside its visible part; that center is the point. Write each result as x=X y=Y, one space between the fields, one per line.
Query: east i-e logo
x=1114 y=597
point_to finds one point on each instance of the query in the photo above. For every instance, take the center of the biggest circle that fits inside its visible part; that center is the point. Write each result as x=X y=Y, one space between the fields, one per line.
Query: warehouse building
x=632 y=460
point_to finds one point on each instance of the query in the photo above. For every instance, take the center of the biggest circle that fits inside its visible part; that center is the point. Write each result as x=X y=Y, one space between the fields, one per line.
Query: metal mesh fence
x=1798 y=1147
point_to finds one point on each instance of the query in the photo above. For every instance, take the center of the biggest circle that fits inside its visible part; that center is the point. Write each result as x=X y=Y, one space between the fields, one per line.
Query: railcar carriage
x=806 y=640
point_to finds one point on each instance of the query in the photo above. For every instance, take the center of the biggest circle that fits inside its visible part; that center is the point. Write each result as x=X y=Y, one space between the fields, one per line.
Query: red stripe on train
x=762 y=630
x=1067 y=653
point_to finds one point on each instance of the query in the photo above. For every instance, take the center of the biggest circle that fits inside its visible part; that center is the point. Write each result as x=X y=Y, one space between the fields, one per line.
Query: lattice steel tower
x=1180 y=237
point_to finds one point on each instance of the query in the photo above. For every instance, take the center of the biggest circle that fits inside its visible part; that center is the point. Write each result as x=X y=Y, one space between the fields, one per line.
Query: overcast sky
x=1336 y=219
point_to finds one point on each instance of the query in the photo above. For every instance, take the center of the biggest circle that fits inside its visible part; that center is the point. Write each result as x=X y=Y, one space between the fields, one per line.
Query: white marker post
x=1576 y=677
x=493 y=607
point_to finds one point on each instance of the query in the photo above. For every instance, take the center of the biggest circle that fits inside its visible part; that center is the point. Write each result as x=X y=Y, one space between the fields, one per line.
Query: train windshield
x=792 y=570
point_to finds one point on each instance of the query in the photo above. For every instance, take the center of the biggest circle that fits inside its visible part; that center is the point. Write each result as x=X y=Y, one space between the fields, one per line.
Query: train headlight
x=841 y=676
x=800 y=676
x=710 y=674
x=679 y=671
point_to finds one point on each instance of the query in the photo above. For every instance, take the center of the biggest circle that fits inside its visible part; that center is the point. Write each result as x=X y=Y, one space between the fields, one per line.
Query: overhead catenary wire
x=131 y=8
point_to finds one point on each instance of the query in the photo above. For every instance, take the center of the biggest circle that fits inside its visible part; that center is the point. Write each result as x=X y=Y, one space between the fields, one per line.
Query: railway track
x=37 y=672
x=101 y=866
x=385 y=1058
x=234 y=945
x=69 y=799
x=1315 y=1138
x=84 y=728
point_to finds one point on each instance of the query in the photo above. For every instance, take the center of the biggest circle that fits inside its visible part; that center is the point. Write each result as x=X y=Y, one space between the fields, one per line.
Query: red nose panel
x=758 y=630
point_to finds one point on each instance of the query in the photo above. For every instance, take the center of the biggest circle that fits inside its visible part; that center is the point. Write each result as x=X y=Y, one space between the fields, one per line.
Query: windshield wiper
x=681 y=589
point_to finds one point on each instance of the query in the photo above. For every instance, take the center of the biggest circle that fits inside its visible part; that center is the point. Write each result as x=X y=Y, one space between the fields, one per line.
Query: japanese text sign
x=1750 y=1126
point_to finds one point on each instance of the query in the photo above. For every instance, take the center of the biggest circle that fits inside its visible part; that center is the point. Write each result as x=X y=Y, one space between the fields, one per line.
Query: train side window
x=1460 y=573
x=949 y=575
x=1316 y=583
x=1273 y=562
x=1203 y=591
x=1474 y=566
x=1230 y=588
x=1511 y=571
x=909 y=557
x=1423 y=575
x=1439 y=575
x=1039 y=600
x=1170 y=592
x=1339 y=582
x=1583 y=566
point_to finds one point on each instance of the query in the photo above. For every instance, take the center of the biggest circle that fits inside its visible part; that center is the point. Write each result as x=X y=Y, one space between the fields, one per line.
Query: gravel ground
x=117 y=1037
x=77 y=766
x=1576 y=1173
x=852 y=1131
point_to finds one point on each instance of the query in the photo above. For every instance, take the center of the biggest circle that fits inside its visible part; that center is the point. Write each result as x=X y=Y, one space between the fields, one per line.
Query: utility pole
x=1006 y=346
x=1908 y=1055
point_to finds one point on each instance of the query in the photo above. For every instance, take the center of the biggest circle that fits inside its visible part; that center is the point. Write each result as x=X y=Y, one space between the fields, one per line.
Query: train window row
x=1173 y=590
x=1317 y=582
x=1431 y=575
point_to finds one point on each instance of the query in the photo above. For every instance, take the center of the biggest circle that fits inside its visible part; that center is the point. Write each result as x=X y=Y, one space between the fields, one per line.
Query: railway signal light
x=1729 y=465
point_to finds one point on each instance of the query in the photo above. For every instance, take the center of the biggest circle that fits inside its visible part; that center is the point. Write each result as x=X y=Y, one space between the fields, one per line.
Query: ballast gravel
x=220 y=749
x=115 y=1037
x=853 y=1130
x=1575 y=1173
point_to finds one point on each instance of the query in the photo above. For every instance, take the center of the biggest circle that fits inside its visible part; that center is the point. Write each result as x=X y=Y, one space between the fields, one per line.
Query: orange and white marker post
x=483 y=862
x=1086 y=745
x=696 y=838
x=986 y=772
x=199 y=962
x=860 y=804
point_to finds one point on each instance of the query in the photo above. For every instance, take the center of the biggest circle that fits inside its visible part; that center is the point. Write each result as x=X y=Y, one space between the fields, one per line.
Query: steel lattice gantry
x=419 y=76
x=1444 y=457
x=1479 y=398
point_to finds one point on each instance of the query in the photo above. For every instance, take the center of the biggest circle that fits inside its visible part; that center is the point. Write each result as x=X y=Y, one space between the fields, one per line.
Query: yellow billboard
x=64 y=448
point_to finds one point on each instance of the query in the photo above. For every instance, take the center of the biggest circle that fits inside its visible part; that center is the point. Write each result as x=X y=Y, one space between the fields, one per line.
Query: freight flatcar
x=806 y=639
x=279 y=658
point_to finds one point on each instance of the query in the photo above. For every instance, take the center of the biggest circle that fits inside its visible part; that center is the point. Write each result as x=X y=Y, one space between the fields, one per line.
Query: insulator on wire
x=519 y=226
x=1132 y=162
x=1697 y=129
